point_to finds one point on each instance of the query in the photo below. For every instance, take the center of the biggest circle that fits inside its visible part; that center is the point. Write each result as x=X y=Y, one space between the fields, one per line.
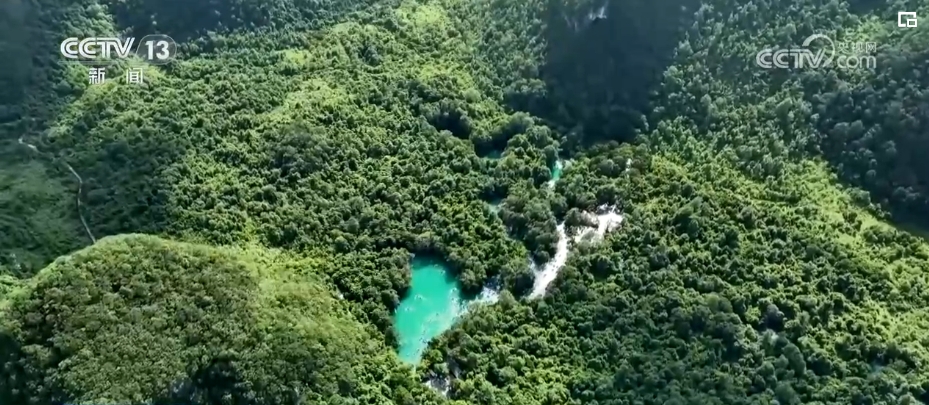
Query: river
x=434 y=301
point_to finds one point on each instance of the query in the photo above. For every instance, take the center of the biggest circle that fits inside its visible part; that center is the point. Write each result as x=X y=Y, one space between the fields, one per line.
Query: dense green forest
x=137 y=318
x=773 y=247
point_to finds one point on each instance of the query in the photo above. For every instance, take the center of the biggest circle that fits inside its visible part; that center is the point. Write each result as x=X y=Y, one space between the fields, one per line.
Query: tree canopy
x=137 y=318
x=773 y=247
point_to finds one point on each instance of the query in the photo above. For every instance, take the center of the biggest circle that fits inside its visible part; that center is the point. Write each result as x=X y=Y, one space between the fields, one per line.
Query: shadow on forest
x=873 y=133
x=183 y=19
x=18 y=382
x=125 y=172
x=15 y=38
x=186 y=20
x=33 y=93
x=31 y=90
x=217 y=382
x=123 y=197
x=38 y=217
x=861 y=7
x=604 y=60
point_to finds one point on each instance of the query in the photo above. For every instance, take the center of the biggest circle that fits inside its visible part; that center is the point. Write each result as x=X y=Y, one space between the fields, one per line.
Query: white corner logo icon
x=906 y=19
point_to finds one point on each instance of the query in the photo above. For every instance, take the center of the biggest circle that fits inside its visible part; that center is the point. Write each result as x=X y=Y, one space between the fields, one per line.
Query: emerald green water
x=494 y=154
x=431 y=306
x=434 y=301
x=556 y=171
x=494 y=205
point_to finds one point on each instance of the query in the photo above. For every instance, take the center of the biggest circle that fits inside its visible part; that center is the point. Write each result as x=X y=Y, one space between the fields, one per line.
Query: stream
x=606 y=218
x=434 y=302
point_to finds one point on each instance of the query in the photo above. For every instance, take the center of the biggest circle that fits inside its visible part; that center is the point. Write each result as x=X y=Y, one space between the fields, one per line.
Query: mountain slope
x=137 y=318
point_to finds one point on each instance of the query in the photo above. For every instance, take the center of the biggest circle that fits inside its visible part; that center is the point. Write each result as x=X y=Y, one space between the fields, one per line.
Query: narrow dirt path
x=80 y=187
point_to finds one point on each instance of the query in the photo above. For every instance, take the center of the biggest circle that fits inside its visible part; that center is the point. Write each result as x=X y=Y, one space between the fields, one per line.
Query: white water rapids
x=559 y=166
x=607 y=219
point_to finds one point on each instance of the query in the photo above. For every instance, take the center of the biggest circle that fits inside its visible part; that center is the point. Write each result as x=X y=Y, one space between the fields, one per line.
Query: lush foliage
x=135 y=318
x=760 y=259
x=745 y=274
x=38 y=220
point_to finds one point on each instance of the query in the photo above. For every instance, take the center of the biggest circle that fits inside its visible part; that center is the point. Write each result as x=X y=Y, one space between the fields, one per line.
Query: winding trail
x=80 y=188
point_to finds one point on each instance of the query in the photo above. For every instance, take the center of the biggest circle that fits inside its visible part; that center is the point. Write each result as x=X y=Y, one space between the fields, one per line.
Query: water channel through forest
x=434 y=301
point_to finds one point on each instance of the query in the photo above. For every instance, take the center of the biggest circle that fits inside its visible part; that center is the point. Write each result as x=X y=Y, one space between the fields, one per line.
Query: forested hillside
x=299 y=151
x=137 y=318
x=749 y=271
